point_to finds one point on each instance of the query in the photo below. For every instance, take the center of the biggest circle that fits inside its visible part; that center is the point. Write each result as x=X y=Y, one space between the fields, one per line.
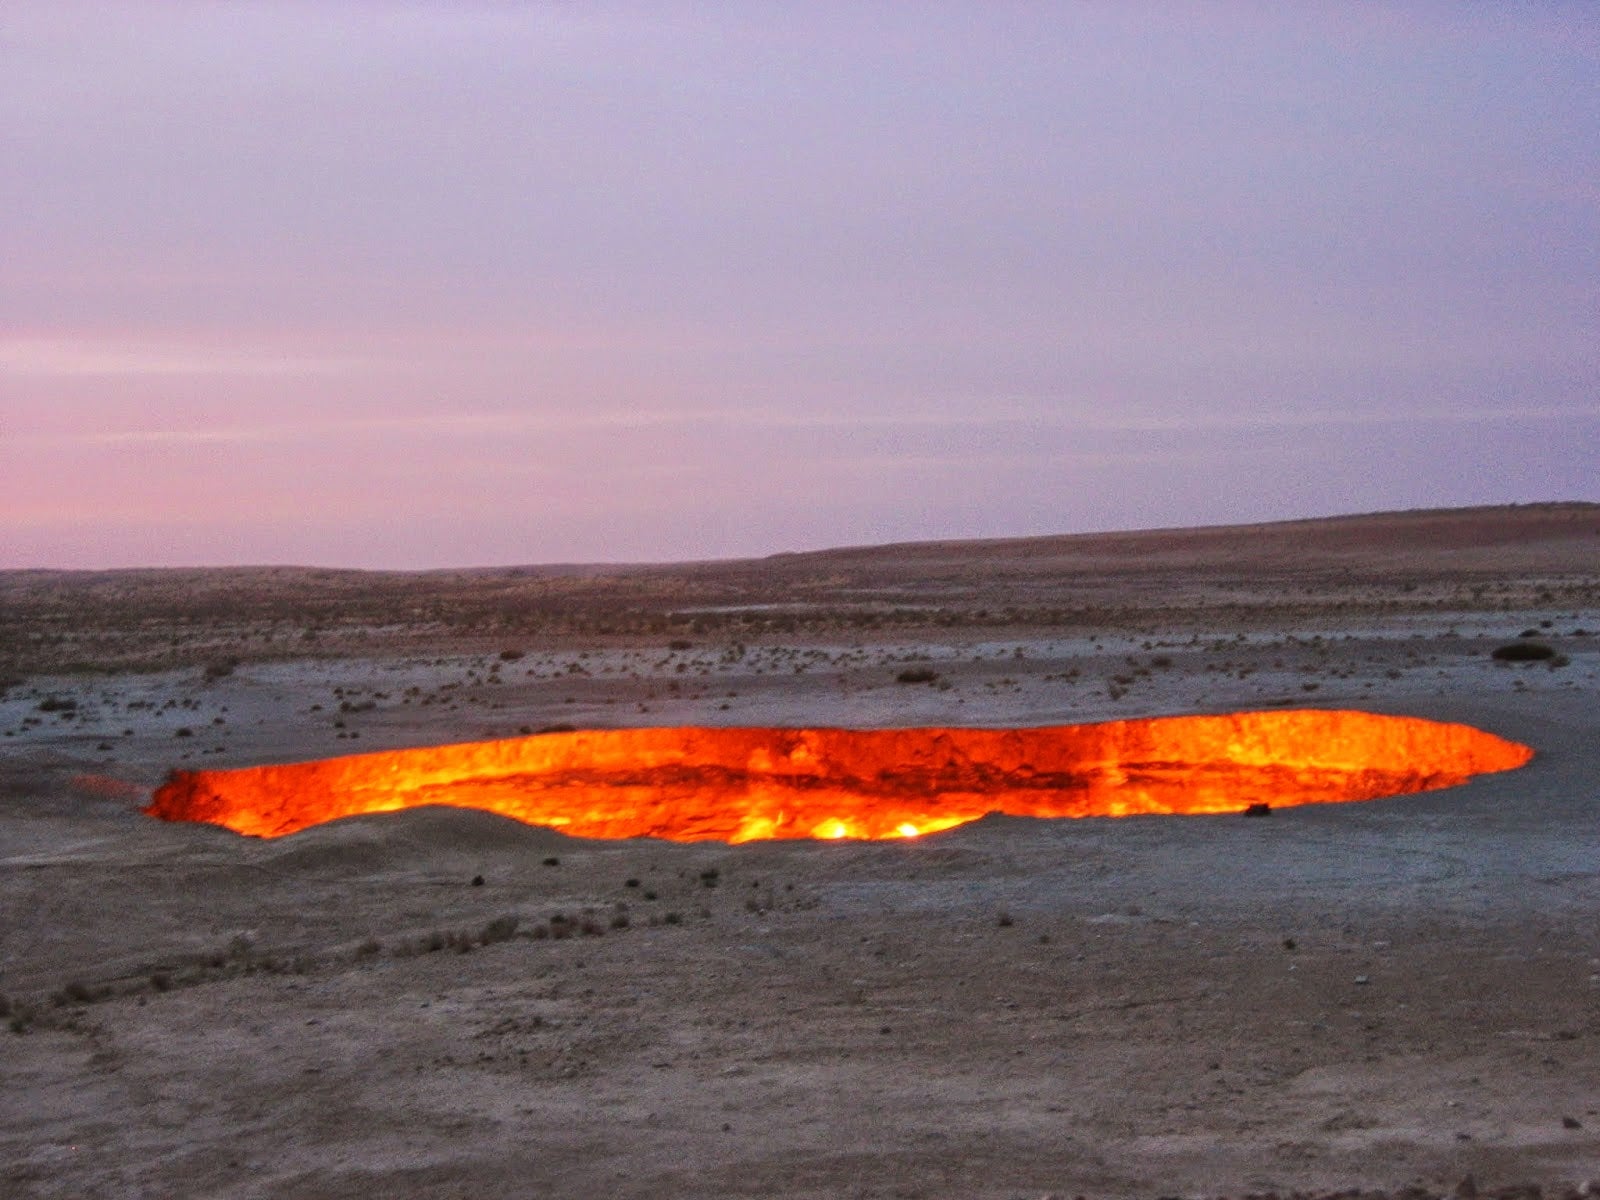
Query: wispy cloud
x=1397 y=415
x=76 y=357
x=979 y=423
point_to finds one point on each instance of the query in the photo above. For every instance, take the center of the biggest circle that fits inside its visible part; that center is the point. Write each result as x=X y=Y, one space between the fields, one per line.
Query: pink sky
x=449 y=284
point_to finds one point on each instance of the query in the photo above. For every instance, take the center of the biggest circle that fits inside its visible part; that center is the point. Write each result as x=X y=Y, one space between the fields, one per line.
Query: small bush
x=75 y=992
x=60 y=704
x=917 y=675
x=1522 y=652
x=500 y=929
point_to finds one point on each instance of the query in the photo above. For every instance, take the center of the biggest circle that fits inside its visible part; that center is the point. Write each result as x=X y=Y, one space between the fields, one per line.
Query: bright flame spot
x=738 y=785
x=756 y=829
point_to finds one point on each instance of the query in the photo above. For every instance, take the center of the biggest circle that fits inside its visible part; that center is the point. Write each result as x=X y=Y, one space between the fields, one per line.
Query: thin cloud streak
x=68 y=358
x=493 y=424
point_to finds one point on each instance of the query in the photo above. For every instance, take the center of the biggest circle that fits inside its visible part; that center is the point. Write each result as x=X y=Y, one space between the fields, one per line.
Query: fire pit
x=743 y=784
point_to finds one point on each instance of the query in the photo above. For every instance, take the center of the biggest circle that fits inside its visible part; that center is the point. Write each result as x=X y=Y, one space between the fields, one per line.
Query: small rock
x=1571 y=1123
x=1362 y=980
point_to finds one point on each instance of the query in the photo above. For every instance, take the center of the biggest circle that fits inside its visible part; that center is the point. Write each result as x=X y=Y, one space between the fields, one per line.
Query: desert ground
x=1395 y=994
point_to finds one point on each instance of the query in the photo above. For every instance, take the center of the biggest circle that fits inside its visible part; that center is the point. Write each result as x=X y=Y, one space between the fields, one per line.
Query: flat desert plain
x=1396 y=994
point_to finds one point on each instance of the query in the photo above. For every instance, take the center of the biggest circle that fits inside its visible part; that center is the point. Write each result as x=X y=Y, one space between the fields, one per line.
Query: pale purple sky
x=426 y=284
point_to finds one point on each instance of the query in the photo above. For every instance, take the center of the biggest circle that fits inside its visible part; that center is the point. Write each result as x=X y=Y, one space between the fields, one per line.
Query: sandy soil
x=1399 y=993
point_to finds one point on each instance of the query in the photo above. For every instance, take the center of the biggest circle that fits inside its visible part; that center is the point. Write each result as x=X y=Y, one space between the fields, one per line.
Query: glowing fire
x=739 y=785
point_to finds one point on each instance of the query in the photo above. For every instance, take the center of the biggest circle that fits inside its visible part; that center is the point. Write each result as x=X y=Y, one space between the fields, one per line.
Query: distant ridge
x=1482 y=525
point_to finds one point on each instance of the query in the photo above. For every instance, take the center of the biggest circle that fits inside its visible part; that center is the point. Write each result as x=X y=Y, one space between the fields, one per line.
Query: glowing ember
x=738 y=785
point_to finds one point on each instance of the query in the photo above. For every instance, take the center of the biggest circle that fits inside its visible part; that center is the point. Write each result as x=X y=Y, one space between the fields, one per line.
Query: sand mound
x=383 y=841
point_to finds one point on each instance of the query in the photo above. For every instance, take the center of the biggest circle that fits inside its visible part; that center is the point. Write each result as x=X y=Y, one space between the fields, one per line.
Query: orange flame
x=738 y=785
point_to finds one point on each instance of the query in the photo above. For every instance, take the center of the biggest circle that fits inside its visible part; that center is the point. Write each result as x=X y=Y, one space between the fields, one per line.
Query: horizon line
x=851 y=548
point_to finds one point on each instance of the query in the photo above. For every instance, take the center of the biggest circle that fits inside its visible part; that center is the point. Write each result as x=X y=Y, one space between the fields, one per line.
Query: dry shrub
x=1522 y=652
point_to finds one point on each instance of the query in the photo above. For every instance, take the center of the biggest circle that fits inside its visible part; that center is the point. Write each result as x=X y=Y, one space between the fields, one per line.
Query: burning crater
x=739 y=785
